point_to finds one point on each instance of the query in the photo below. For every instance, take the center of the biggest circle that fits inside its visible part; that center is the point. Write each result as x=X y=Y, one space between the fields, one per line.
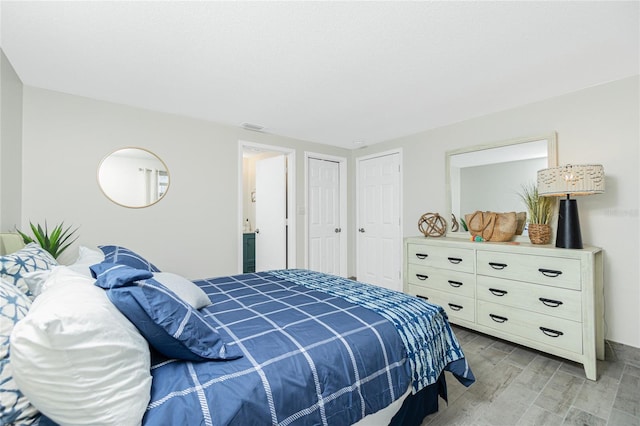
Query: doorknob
x=338 y=230
x=361 y=230
x=257 y=231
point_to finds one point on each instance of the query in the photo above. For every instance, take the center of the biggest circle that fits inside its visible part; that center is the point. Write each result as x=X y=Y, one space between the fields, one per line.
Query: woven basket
x=539 y=234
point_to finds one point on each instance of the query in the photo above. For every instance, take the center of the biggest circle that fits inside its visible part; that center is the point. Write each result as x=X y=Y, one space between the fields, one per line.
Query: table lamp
x=570 y=180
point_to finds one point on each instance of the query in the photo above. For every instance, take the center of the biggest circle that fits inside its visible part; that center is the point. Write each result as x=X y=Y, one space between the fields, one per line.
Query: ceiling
x=339 y=73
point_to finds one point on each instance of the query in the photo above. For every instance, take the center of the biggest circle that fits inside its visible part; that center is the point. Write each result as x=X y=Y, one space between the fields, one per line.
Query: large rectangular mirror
x=491 y=176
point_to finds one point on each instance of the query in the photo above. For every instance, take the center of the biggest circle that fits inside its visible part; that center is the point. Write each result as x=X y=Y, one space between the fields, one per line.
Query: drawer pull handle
x=422 y=297
x=455 y=284
x=498 y=266
x=549 y=272
x=422 y=277
x=421 y=255
x=454 y=260
x=498 y=318
x=498 y=292
x=455 y=307
x=550 y=302
x=551 y=333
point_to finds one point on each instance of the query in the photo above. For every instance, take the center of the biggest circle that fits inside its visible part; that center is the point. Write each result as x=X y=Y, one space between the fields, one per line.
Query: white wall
x=194 y=230
x=10 y=146
x=597 y=125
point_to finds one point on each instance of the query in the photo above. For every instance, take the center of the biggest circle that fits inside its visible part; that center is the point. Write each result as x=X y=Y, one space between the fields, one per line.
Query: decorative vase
x=539 y=233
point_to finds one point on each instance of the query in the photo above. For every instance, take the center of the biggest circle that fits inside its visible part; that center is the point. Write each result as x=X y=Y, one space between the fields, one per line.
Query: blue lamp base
x=568 y=234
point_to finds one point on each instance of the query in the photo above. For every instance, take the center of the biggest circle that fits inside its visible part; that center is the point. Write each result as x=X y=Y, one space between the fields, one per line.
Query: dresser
x=543 y=297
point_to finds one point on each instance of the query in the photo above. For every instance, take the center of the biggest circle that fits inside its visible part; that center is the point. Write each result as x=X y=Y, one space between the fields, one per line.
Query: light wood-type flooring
x=519 y=386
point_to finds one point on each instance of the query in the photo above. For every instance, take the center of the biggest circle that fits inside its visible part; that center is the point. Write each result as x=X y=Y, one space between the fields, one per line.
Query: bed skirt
x=416 y=407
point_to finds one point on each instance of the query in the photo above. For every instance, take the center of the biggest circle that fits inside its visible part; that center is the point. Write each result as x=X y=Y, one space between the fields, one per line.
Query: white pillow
x=78 y=359
x=183 y=288
x=86 y=258
x=35 y=280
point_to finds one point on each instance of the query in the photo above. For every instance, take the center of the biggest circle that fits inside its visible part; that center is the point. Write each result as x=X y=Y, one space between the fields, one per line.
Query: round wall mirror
x=133 y=177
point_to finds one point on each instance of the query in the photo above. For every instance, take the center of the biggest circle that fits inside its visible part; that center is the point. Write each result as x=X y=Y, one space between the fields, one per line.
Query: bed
x=290 y=347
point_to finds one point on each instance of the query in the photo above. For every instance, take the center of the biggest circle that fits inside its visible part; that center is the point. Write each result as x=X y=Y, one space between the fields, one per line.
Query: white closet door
x=324 y=216
x=378 y=226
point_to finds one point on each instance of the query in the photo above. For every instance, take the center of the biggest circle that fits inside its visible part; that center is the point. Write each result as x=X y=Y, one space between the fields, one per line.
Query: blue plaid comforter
x=316 y=350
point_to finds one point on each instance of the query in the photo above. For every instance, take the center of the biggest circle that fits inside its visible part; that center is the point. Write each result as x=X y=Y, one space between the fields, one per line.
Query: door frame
x=400 y=247
x=342 y=169
x=291 y=198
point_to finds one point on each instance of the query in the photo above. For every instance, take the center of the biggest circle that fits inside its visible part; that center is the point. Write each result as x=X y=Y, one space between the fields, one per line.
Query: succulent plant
x=55 y=242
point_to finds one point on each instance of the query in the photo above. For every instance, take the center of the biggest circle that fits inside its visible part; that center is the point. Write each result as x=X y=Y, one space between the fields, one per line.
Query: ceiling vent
x=254 y=127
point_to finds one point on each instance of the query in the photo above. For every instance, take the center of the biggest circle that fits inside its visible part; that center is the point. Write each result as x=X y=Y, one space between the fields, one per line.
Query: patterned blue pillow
x=124 y=256
x=172 y=326
x=28 y=259
x=14 y=406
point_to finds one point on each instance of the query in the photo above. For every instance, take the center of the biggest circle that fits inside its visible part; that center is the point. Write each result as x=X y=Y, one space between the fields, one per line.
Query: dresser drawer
x=553 y=271
x=452 y=258
x=557 y=332
x=456 y=306
x=547 y=300
x=462 y=283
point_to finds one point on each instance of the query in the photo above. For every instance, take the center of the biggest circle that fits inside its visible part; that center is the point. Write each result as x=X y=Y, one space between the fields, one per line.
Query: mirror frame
x=552 y=161
x=141 y=149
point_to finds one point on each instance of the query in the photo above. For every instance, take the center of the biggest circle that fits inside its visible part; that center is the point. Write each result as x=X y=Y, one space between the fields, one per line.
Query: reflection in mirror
x=133 y=177
x=490 y=177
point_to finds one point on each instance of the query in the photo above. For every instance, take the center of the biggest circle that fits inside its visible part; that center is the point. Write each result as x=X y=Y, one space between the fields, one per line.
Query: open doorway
x=267 y=230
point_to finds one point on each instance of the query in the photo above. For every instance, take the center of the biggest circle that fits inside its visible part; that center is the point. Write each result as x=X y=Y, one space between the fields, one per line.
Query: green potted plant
x=540 y=210
x=55 y=242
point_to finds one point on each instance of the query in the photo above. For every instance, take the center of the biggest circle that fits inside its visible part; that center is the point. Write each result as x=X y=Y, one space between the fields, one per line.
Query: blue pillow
x=112 y=275
x=173 y=327
x=124 y=256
